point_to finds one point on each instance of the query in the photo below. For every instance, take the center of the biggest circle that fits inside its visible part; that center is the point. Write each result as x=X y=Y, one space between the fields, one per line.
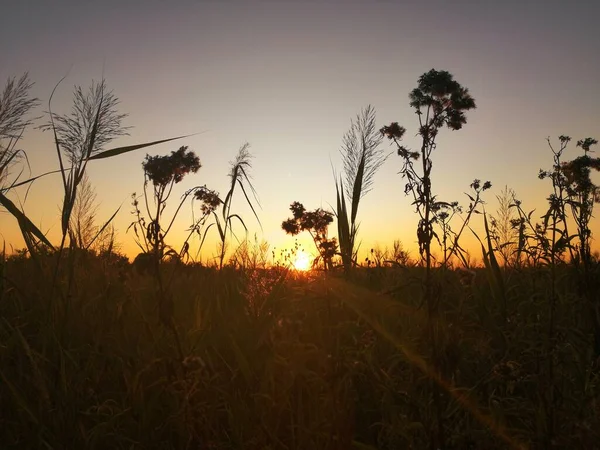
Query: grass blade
x=26 y=225
x=103 y=227
x=56 y=140
x=250 y=204
x=31 y=180
x=129 y=148
x=358 y=184
x=19 y=399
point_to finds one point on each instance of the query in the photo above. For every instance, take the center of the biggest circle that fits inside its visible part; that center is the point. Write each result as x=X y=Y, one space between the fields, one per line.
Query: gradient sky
x=288 y=76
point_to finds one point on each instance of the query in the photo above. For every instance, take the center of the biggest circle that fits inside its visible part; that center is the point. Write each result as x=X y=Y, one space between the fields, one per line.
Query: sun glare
x=303 y=262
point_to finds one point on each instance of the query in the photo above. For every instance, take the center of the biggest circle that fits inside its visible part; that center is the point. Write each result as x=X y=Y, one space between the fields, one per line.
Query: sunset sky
x=288 y=76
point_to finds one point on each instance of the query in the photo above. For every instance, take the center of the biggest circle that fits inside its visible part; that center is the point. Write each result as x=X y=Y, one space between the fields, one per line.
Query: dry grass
x=283 y=360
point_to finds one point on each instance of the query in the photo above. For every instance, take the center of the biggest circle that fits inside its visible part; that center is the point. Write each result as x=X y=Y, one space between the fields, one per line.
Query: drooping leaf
x=250 y=204
x=236 y=216
x=26 y=225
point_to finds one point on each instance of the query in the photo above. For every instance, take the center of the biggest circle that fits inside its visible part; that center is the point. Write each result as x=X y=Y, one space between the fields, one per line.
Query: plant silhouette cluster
x=316 y=223
x=431 y=352
x=167 y=170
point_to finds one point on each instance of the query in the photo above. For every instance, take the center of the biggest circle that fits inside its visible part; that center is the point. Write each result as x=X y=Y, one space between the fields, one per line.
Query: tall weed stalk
x=439 y=101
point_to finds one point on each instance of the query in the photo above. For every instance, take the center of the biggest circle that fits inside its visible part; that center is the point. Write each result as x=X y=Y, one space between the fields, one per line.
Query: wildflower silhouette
x=209 y=202
x=573 y=188
x=439 y=101
x=167 y=170
x=163 y=172
x=583 y=194
x=316 y=223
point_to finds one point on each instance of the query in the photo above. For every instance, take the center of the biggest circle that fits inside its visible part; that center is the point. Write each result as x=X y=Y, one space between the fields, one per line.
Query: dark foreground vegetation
x=432 y=352
x=286 y=360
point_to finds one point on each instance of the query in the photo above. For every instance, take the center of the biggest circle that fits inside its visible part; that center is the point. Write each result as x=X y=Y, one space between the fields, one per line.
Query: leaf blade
x=129 y=148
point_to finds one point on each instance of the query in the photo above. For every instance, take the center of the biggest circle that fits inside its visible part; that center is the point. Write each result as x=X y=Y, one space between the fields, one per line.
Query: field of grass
x=166 y=353
x=279 y=359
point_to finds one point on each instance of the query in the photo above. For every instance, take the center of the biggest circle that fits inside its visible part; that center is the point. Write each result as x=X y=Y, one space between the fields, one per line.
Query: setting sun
x=303 y=262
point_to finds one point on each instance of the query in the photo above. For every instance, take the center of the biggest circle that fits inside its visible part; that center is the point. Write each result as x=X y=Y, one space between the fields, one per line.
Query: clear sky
x=288 y=76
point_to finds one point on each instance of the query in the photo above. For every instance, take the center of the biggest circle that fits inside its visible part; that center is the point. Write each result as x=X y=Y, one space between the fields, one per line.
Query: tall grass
x=275 y=358
x=361 y=159
x=252 y=355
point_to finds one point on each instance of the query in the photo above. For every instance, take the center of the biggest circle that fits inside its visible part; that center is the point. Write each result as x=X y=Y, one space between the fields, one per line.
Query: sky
x=287 y=77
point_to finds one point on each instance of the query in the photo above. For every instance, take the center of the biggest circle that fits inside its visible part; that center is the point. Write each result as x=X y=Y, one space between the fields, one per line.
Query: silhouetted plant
x=533 y=245
x=94 y=122
x=439 y=101
x=238 y=176
x=583 y=194
x=85 y=231
x=389 y=257
x=16 y=104
x=572 y=189
x=545 y=243
x=287 y=256
x=251 y=256
x=361 y=158
x=162 y=172
x=502 y=230
x=555 y=219
x=81 y=136
x=209 y=202
x=554 y=222
x=316 y=223
x=445 y=212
